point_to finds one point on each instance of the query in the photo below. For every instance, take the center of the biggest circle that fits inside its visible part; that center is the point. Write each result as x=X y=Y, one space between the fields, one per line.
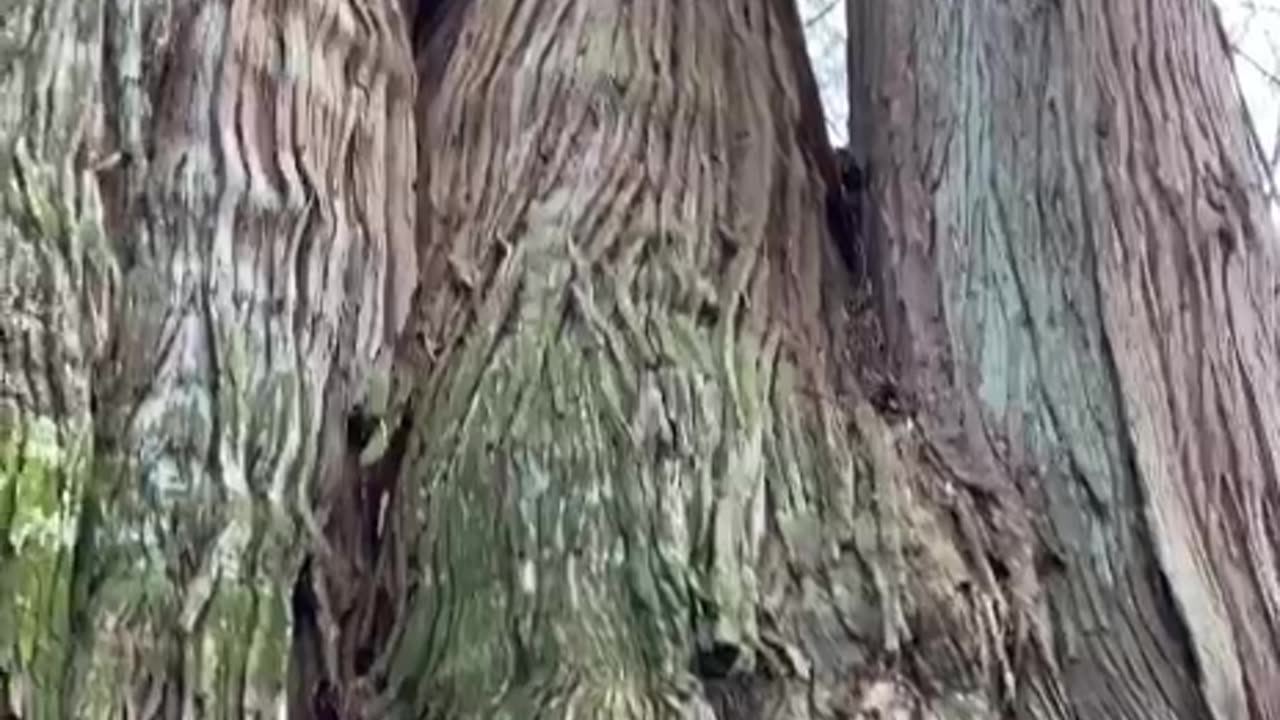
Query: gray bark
x=616 y=456
x=206 y=225
x=487 y=358
x=1079 y=280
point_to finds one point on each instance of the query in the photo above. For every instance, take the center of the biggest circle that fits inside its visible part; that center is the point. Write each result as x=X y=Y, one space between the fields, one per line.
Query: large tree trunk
x=206 y=205
x=618 y=446
x=636 y=446
x=1080 y=286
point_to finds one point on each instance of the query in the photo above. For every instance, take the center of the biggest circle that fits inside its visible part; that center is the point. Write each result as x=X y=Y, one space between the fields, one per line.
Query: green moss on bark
x=42 y=487
x=590 y=481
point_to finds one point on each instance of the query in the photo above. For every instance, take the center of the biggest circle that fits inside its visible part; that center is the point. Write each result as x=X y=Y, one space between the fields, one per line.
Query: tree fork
x=635 y=484
x=599 y=423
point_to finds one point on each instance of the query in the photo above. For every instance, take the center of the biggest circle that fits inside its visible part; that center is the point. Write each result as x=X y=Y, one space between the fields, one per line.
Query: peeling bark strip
x=169 y=398
x=1079 y=275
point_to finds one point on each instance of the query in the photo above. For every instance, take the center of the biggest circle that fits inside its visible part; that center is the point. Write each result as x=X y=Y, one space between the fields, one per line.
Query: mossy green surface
x=590 y=481
x=42 y=484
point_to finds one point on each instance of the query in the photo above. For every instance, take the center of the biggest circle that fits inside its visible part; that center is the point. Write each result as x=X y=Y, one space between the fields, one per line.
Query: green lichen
x=238 y=652
x=42 y=482
x=591 y=487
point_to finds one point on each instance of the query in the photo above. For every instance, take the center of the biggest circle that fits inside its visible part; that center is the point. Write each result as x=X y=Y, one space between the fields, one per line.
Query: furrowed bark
x=587 y=414
x=1080 y=283
x=55 y=278
x=179 y=360
x=627 y=471
x=642 y=480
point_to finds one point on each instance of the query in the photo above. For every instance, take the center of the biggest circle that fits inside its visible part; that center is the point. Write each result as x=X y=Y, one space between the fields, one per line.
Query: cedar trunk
x=1079 y=283
x=476 y=358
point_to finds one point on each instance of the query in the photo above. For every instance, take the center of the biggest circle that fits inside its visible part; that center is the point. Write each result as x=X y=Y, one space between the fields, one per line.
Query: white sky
x=1253 y=26
x=825 y=30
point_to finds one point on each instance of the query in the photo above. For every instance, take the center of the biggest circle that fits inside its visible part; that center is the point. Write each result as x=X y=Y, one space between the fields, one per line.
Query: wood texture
x=624 y=254
x=501 y=358
x=1081 y=288
x=207 y=249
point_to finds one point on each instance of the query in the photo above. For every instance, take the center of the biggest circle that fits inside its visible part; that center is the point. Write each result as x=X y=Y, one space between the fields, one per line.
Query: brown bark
x=636 y=446
x=206 y=255
x=1080 y=285
x=626 y=275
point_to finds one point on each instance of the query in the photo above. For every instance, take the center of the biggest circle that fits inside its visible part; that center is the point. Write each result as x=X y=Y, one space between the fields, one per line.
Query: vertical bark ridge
x=56 y=280
x=1080 y=284
x=617 y=449
x=1207 y=301
x=274 y=197
x=631 y=488
x=256 y=170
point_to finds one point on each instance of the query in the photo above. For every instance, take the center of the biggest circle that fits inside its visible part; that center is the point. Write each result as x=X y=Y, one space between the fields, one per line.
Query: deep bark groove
x=475 y=358
x=198 y=337
x=624 y=227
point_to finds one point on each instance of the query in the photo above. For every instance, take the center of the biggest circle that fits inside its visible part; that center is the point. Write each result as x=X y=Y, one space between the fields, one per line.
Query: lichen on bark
x=1078 y=280
x=633 y=485
x=53 y=272
x=602 y=422
x=205 y=227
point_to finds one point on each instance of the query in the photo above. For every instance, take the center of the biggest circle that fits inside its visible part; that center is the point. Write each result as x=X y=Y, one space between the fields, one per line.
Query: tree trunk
x=619 y=448
x=1079 y=282
x=603 y=423
x=207 y=220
